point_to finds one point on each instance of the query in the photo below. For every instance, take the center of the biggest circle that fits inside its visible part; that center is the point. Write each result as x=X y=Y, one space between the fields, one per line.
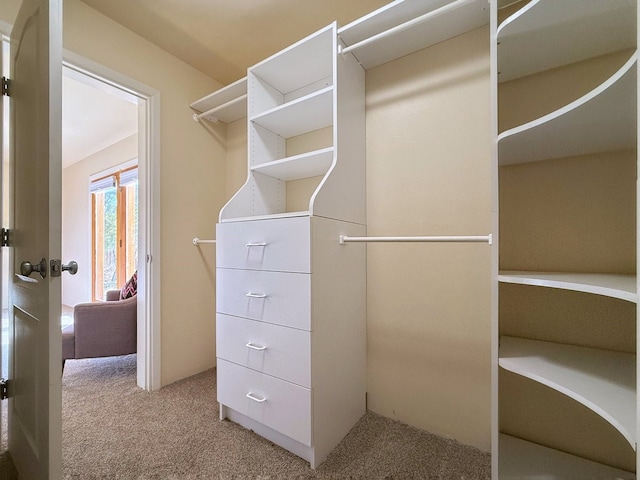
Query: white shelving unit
x=535 y=45
x=282 y=370
x=301 y=90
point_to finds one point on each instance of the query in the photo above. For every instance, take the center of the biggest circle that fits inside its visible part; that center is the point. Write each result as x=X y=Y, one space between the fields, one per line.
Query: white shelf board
x=469 y=16
x=618 y=286
x=519 y=459
x=603 y=120
x=602 y=380
x=266 y=217
x=301 y=64
x=554 y=33
x=226 y=95
x=305 y=114
x=300 y=166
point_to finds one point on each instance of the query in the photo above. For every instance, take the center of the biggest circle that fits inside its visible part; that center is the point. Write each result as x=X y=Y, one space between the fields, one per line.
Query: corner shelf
x=522 y=459
x=602 y=120
x=618 y=286
x=228 y=104
x=603 y=381
x=299 y=65
x=552 y=38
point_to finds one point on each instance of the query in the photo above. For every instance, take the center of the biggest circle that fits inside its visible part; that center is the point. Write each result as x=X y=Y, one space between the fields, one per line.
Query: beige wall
x=428 y=172
x=76 y=214
x=192 y=179
x=429 y=305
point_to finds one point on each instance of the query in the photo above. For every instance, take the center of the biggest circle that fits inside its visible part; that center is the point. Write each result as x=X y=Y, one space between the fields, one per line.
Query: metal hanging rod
x=197 y=241
x=406 y=25
x=214 y=119
x=446 y=239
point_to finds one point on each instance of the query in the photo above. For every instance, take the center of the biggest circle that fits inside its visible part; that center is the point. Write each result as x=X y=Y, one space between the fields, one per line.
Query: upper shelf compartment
x=411 y=25
x=226 y=105
x=555 y=33
x=307 y=62
x=604 y=120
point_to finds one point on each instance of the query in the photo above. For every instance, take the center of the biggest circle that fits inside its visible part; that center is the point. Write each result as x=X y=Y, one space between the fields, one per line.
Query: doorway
x=140 y=149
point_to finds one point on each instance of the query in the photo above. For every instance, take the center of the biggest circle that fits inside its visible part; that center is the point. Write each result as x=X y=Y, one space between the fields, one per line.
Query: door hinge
x=3 y=389
x=6 y=83
x=4 y=237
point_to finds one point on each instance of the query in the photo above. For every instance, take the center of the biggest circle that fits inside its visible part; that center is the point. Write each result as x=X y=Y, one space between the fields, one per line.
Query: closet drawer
x=280 y=244
x=273 y=297
x=280 y=405
x=279 y=351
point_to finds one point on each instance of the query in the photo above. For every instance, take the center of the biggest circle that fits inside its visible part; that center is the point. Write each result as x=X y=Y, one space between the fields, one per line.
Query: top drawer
x=279 y=244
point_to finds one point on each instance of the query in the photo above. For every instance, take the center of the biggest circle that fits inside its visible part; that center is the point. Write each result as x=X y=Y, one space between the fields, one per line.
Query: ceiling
x=86 y=131
x=222 y=38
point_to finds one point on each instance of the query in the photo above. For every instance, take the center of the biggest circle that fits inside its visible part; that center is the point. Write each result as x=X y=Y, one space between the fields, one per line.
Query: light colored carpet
x=113 y=430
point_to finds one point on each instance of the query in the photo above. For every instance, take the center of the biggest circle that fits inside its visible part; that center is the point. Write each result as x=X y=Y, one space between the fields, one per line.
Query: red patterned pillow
x=130 y=288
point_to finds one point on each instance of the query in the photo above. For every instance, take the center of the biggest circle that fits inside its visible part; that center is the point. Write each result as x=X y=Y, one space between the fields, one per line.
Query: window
x=114 y=200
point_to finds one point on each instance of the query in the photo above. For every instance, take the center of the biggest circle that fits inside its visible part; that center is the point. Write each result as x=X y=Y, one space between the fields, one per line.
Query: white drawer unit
x=278 y=404
x=282 y=352
x=273 y=297
x=276 y=244
x=290 y=299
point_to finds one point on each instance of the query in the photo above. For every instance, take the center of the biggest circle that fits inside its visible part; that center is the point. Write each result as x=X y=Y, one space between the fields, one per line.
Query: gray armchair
x=101 y=329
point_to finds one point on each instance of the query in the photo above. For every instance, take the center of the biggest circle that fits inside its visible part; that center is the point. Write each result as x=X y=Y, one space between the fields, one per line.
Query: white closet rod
x=406 y=25
x=197 y=241
x=460 y=238
x=198 y=116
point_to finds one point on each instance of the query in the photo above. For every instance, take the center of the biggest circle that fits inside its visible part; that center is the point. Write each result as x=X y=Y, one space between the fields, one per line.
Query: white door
x=35 y=432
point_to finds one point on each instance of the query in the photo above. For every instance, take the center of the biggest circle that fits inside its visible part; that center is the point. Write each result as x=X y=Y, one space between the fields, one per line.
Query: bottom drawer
x=276 y=403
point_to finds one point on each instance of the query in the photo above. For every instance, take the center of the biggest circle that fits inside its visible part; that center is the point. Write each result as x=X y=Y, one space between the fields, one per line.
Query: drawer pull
x=259 y=244
x=255 y=347
x=256 y=399
x=255 y=295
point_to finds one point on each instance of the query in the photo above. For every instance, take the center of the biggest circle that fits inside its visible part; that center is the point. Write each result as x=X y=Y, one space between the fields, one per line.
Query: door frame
x=148 y=366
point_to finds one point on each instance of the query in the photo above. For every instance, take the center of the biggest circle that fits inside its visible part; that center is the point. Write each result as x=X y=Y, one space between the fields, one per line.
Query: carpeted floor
x=114 y=430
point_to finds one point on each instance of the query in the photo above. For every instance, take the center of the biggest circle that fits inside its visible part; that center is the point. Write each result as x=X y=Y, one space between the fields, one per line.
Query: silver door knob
x=57 y=267
x=27 y=268
x=71 y=267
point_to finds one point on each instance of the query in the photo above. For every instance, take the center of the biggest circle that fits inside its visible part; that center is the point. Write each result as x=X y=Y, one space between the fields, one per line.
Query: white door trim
x=148 y=368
